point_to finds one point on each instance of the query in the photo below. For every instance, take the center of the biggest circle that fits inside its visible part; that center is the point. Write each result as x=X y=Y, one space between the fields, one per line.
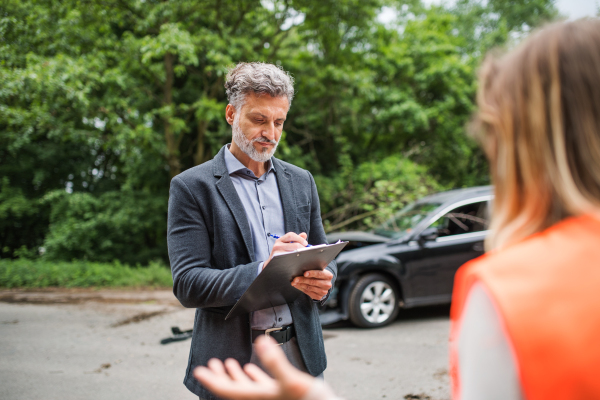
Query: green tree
x=102 y=102
x=408 y=92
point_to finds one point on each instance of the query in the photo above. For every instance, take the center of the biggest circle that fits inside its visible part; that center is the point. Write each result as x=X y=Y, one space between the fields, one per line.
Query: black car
x=410 y=260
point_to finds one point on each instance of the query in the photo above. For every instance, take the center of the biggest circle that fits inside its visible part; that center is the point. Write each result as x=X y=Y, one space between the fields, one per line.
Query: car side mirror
x=429 y=234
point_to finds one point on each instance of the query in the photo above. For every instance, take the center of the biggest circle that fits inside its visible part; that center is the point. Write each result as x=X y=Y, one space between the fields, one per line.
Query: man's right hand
x=288 y=242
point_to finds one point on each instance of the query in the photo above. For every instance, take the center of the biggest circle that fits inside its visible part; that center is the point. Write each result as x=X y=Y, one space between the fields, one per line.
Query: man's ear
x=229 y=114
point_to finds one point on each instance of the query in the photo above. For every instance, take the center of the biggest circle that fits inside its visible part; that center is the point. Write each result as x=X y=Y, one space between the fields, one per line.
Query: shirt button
x=264 y=207
x=279 y=319
x=259 y=182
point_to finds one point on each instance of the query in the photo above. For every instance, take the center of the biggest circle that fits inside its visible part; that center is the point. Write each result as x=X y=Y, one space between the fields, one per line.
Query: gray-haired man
x=220 y=217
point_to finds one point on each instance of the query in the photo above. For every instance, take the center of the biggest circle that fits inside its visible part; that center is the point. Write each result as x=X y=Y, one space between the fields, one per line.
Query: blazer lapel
x=227 y=190
x=288 y=198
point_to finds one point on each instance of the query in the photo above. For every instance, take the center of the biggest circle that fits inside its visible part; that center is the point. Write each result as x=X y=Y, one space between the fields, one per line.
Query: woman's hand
x=230 y=381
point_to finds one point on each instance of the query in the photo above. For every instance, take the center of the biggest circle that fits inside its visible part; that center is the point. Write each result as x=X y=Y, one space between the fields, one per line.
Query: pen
x=278 y=237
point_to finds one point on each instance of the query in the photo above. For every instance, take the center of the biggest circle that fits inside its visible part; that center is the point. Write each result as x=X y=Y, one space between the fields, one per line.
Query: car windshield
x=405 y=220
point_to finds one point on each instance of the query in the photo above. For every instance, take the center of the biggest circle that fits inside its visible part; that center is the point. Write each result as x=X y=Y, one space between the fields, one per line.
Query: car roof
x=454 y=195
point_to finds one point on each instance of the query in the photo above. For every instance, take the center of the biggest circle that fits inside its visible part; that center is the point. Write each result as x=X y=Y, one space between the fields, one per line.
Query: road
x=96 y=345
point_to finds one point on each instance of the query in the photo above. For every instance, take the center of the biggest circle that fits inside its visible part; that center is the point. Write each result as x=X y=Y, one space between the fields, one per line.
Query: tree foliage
x=102 y=102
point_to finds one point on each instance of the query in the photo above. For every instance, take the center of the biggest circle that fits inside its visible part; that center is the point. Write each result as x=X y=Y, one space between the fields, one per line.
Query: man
x=221 y=215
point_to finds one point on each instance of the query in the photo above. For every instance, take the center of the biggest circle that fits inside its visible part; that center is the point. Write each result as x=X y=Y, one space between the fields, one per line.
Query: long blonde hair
x=539 y=124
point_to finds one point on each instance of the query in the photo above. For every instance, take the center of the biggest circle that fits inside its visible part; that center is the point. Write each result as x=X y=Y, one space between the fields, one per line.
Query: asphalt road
x=95 y=345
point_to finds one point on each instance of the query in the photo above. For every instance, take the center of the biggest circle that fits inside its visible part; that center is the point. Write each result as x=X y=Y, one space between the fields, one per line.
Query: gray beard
x=247 y=145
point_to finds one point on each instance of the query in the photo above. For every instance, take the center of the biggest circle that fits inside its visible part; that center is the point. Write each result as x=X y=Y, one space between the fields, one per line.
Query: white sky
x=572 y=9
x=577 y=8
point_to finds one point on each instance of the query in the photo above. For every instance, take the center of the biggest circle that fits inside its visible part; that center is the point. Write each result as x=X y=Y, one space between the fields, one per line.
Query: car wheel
x=374 y=301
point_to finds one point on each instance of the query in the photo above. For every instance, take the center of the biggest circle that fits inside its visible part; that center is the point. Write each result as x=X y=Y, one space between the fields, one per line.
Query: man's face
x=258 y=125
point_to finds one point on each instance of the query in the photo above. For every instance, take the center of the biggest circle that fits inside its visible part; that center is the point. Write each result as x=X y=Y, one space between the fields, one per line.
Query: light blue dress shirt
x=262 y=203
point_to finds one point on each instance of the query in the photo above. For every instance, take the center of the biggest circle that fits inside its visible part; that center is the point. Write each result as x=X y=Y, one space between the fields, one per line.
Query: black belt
x=281 y=335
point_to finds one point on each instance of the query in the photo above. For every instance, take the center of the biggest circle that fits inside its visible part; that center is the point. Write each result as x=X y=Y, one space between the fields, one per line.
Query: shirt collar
x=234 y=166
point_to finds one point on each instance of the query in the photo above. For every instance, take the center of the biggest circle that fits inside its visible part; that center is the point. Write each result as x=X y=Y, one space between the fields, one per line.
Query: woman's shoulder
x=573 y=237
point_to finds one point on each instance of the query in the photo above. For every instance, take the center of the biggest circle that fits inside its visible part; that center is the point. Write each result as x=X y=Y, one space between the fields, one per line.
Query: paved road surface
x=96 y=345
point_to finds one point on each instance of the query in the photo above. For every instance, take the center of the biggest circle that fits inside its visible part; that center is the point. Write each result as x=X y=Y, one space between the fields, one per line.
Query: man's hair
x=258 y=78
x=539 y=124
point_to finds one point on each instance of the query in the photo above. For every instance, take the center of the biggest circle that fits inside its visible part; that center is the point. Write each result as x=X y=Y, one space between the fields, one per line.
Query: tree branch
x=237 y=24
x=351 y=220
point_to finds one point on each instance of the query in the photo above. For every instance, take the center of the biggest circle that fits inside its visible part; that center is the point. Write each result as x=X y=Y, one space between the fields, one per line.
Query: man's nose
x=269 y=131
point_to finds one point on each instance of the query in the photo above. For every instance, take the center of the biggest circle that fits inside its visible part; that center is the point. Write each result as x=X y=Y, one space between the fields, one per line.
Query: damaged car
x=409 y=260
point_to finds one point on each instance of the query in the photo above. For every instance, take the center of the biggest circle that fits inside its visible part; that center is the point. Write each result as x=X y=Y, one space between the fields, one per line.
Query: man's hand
x=288 y=242
x=314 y=283
x=230 y=381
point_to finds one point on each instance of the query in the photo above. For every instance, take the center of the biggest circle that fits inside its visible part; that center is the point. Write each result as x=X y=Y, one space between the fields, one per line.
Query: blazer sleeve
x=317 y=233
x=196 y=282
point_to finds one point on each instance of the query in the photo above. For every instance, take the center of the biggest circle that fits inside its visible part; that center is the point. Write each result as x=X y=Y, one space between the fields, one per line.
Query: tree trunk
x=172 y=143
x=200 y=154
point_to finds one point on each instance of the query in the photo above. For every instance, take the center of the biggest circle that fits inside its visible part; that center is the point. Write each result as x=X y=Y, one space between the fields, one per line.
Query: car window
x=403 y=222
x=468 y=218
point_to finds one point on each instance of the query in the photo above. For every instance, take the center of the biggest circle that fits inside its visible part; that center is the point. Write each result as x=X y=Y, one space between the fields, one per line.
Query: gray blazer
x=212 y=261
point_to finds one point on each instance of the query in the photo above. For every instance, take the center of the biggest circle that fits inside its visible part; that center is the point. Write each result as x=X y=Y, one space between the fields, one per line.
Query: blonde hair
x=539 y=124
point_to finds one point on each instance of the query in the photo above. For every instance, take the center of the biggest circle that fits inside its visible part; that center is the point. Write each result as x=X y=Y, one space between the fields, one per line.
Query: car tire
x=374 y=301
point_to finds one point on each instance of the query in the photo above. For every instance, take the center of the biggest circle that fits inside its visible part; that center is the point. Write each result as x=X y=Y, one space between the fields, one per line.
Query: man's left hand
x=314 y=283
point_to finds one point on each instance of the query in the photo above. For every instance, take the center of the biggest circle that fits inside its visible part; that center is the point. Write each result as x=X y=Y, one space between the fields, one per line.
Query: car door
x=461 y=231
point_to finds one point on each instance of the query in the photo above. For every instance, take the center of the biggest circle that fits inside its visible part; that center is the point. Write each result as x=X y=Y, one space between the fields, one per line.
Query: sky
x=577 y=8
x=573 y=9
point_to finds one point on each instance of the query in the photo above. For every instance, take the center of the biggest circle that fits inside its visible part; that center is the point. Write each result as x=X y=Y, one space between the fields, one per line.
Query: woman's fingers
x=216 y=366
x=217 y=382
x=257 y=374
x=204 y=374
x=295 y=384
x=272 y=357
x=235 y=371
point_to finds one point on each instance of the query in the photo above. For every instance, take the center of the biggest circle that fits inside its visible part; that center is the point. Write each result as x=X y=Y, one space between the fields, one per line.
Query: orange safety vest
x=546 y=289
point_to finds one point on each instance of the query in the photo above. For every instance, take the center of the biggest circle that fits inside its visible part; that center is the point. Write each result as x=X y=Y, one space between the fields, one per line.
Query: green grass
x=23 y=273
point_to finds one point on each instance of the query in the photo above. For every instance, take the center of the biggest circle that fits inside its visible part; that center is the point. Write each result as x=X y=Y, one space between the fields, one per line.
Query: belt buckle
x=268 y=331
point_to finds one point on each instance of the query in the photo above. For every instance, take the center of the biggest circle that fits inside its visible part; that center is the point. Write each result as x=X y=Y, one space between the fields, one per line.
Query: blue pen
x=277 y=237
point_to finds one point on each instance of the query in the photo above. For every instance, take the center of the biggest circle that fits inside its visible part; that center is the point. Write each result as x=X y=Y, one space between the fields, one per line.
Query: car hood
x=356 y=236
x=374 y=253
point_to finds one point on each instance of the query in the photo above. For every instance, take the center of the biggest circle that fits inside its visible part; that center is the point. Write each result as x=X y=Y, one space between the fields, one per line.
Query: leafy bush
x=23 y=221
x=369 y=194
x=23 y=273
x=119 y=225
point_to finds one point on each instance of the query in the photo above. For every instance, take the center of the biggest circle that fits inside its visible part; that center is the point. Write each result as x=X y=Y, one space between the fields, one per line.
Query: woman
x=525 y=316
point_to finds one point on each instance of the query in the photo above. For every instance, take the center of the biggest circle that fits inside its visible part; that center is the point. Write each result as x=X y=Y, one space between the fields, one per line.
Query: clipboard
x=272 y=286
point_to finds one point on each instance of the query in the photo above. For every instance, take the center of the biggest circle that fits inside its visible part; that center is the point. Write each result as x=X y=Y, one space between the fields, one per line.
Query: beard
x=247 y=146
